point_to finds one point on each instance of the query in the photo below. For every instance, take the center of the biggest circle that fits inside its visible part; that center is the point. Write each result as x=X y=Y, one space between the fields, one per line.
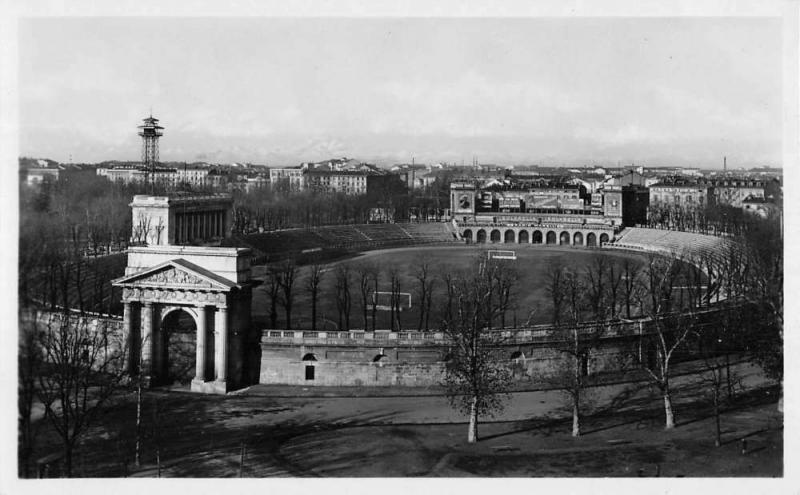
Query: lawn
x=531 y=302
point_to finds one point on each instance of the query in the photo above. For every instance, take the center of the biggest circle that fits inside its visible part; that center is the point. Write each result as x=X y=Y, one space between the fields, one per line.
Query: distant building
x=635 y=200
x=166 y=176
x=39 y=175
x=415 y=176
x=632 y=178
x=526 y=203
x=681 y=193
x=256 y=183
x=734 y=190
x=323 y=181
x=291 y=178
x=757 y=205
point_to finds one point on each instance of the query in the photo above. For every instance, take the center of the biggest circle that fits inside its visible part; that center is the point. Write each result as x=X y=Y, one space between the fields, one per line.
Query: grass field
x=531 y=305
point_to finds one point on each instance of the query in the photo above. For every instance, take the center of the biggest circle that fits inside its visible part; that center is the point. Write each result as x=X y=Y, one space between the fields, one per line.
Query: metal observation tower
x=150 y=132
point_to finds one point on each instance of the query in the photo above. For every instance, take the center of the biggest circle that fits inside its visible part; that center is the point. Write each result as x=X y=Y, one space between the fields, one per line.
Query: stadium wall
x=415 y=365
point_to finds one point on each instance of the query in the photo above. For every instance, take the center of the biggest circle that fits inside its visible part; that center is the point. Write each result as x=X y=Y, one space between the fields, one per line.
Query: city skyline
x=548 y=91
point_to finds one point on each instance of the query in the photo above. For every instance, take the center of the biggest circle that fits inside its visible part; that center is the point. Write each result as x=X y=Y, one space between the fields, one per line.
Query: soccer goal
x=501 y=255
x=383 y=300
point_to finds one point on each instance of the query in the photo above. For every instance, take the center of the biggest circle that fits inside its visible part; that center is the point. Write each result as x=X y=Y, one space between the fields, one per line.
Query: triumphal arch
x=187 y=307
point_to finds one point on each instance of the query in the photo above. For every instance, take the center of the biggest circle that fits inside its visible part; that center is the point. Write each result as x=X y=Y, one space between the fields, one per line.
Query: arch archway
x=480 y=237
x=591 y=239
x=467 y=235
x=551 y=237
x=517 y=355
x=495 y=235
x=537 y=237
x=603 y=239
x=577 y=239
x=177 y=346
x=508 y=237
x=523 y=237
x=563 y=239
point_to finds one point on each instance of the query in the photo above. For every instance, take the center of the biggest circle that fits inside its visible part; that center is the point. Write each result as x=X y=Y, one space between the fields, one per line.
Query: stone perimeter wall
x=418 y=366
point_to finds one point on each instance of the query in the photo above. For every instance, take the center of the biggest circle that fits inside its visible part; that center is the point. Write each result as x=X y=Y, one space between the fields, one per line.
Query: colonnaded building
x=525 y=213
x=168 y=281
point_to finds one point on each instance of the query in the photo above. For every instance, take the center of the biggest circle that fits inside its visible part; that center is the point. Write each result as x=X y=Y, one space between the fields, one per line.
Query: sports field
x=531 y=301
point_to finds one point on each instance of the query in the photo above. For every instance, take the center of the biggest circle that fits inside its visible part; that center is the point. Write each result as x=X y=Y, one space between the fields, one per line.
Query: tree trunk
x=670 y=418
x=728 y=382
x=718 y=440
x=366 y=318
x=576 y=418
x=472 y=434
x=314 y=310
x=428 y=314
x=67 y=460
x=137 y=450
x=421 y=311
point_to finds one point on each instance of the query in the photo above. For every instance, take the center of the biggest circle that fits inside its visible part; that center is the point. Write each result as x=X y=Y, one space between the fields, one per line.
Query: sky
x=511 y=91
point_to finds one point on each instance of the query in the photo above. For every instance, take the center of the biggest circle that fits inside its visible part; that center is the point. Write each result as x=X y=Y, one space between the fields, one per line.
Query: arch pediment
x=176 y=274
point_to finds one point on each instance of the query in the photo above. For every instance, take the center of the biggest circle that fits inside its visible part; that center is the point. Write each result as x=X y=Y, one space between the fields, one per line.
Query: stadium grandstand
x=670 y=242
x=363 y=237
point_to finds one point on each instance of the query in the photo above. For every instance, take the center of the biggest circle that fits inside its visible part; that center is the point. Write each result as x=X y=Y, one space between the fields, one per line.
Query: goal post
x=383 y=300
x=499 y=254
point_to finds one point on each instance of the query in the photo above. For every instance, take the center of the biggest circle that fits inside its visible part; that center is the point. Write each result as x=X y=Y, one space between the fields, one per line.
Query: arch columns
x=221 y=346
x=127 y=331
x=147 y=335
x=200 y=359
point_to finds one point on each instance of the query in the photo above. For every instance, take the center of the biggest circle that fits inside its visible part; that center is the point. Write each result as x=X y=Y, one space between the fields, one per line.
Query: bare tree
x=667 y=330
x=630 y=283
x=425 y=289
x=375 y=273
x=83 y=367
x=712 y=341
x=273 y=289
x=343 y=296
x=505 y=277
x=596 y=278
x=476 y=378
x=695 y=281
x=615 y=281
x=159 y=230
x=29 y=361
x=287 y=275
x=315 y=275
x=365 y=273
x=554 y=278
x=394 y=298
x=574 y=340
x=449 y=280
x=141 y=229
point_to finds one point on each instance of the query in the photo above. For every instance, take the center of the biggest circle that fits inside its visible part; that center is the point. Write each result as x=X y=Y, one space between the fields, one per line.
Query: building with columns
x=188 y=303
x=181 y=218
